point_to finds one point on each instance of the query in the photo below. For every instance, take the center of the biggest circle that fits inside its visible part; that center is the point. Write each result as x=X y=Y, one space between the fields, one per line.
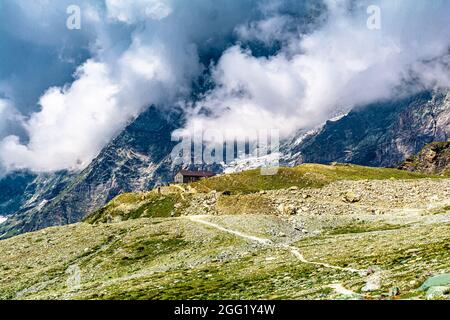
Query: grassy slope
x=304 y=176
x=136 y=205
x=164 y=257
x=174 y=258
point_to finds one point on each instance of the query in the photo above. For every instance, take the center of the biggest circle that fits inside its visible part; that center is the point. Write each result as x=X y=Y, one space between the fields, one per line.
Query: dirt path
x=266 y=242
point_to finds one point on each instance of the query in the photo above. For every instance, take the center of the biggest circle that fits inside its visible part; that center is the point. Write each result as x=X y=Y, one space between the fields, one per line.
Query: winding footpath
x=269 y=243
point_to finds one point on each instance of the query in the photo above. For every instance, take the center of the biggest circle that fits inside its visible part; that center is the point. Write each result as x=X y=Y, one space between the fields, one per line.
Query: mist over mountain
x=252 y=64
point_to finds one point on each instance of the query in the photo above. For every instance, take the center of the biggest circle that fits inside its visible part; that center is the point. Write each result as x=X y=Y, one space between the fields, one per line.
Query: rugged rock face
x=21 y=191
x=381 y=134
x=13 y=192
x=135 y=161
x=434 y=158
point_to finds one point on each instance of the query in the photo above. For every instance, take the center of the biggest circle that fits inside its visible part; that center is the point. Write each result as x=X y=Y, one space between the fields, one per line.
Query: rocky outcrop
x=433 y=159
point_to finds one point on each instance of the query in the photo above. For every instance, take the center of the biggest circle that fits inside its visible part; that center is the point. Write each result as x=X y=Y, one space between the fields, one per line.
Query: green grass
x=177 y=259
x=361 y=227
x=443 y=210
x=304 y=176
x=245 y=204
x=138 y=205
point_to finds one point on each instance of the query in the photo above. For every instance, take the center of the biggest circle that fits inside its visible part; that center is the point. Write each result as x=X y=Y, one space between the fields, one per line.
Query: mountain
x=134 y=161
x=434 y=158
x=381 y=134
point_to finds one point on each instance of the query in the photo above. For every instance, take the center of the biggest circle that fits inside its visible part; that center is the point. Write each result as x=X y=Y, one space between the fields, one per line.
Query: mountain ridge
x=380 y=134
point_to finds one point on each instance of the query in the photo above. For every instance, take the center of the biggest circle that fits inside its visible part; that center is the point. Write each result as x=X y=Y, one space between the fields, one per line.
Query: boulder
x=394 y=292
x=288 y=209
x=374 y=282
x=436 y=281
x=351 y=197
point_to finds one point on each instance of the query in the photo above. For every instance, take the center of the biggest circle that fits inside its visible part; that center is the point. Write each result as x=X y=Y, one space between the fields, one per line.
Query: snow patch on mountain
x=252 y=162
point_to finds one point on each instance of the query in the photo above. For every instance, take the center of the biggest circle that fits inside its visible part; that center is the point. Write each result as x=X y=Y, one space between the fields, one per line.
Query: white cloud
x=149 y=51
x=339 y=65
x=266 y=30
x=138 y=10
x=77 y=121
x=68 y=130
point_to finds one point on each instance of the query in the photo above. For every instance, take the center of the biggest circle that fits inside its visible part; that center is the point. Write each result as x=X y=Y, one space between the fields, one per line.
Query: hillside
x=245 y=192
x=310 y=232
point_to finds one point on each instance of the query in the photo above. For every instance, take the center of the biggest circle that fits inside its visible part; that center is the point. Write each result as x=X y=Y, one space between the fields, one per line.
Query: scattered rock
x=289 y=209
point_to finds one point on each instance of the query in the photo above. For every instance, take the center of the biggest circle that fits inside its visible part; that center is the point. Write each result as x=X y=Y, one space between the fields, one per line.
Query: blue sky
x=35 y=55
x=279 y=64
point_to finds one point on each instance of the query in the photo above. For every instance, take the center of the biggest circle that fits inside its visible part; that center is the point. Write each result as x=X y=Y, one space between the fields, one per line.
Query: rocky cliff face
x=434 y=159
x=381 y=134
x=21 y=191
x=13 y=192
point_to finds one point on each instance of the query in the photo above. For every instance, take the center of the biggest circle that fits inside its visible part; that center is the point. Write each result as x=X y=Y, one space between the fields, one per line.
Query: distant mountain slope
x=381 y=134
x=13 y=188
x=23 y=190
x=134 y=161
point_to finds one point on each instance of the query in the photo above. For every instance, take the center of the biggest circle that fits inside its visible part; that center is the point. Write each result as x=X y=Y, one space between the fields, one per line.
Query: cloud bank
x=268 y=64
x=341 y=64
